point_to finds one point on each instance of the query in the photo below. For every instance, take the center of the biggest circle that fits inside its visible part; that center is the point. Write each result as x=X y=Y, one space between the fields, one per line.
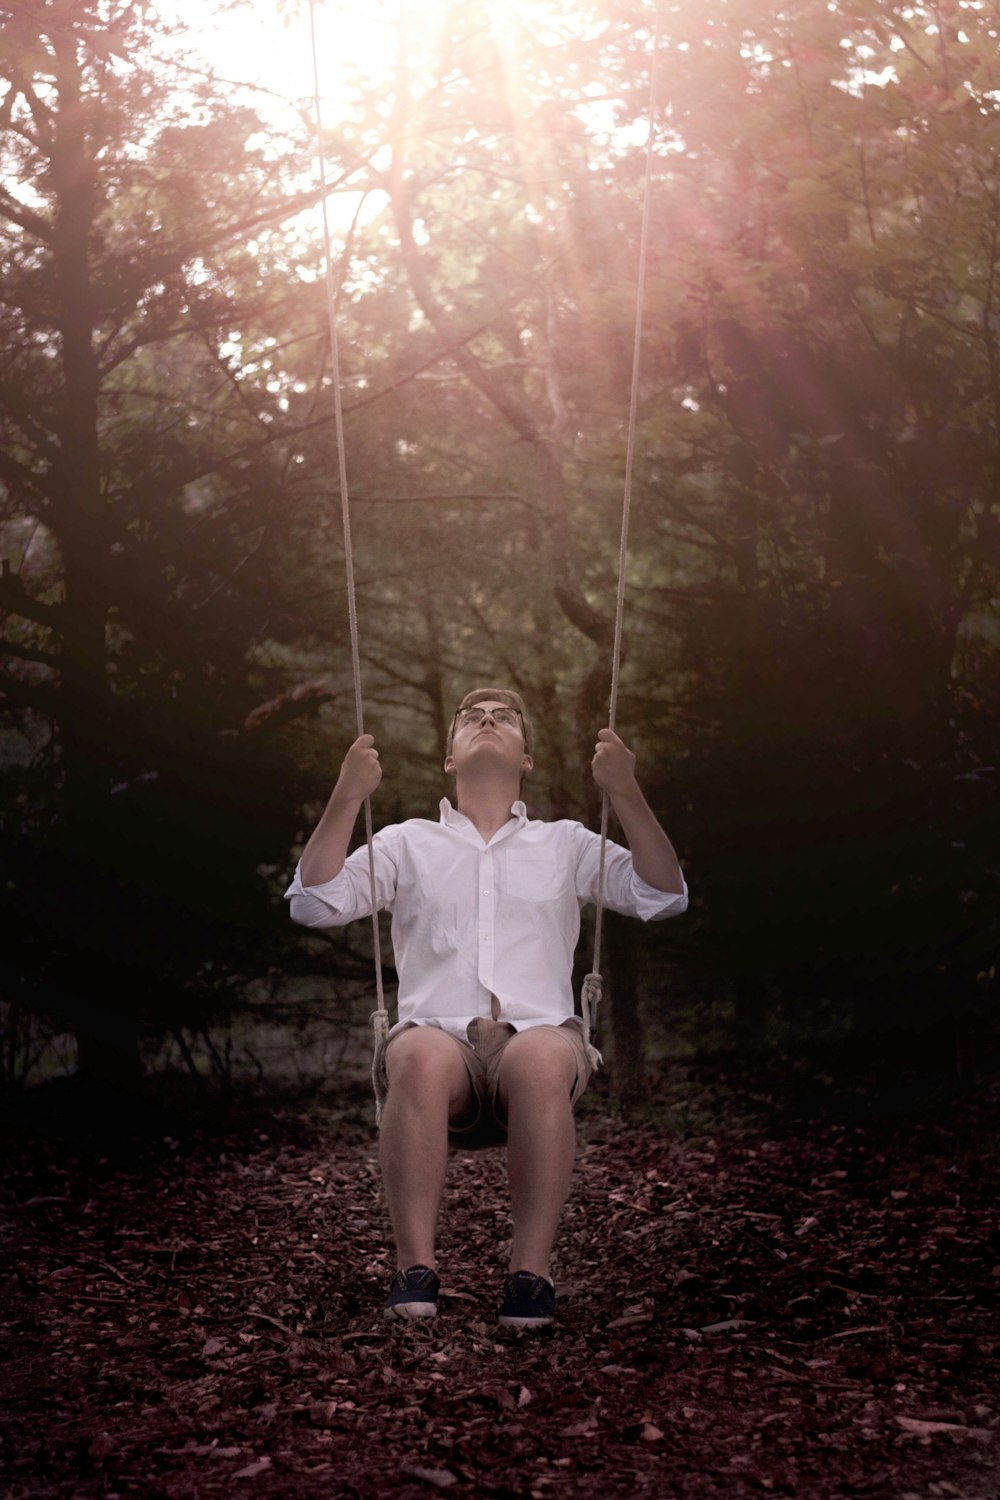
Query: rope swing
x=593 y=984
x=379 y=1016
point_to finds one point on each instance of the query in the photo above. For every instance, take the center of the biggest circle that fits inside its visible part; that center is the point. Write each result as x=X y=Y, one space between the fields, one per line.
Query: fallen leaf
x=649 y=1433
x=928 y=1429
x=580 y=1429
x=274 y=1322
x=101 y=1446
x=442 y=1479
x=630 y=1319
x=212 y=1346
x=252 y=1470
x=321 y=1413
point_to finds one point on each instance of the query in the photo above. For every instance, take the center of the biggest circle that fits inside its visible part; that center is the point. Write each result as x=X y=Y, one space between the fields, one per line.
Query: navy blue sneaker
x=413 y=1294
x=529 y=1301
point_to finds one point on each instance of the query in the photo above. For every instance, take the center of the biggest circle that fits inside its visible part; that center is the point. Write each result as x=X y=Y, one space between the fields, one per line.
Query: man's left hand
x=613 y=765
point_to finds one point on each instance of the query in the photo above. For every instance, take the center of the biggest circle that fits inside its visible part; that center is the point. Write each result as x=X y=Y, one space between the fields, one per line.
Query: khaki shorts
x=482 y=1054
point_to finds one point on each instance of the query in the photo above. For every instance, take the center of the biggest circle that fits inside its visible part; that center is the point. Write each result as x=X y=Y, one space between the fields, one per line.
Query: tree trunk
x=105 y=1031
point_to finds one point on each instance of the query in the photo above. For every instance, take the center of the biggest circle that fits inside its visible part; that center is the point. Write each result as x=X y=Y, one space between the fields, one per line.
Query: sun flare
x=267 y=44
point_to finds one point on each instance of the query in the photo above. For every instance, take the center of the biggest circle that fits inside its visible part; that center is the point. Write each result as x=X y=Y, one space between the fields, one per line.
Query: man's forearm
x=324 y=855
x=653 y=855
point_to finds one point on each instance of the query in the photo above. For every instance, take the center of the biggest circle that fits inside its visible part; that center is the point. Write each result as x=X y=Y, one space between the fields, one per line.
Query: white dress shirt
x=473 y=922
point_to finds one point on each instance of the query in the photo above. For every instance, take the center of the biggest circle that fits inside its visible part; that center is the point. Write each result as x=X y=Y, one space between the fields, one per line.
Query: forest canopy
x=812 y=669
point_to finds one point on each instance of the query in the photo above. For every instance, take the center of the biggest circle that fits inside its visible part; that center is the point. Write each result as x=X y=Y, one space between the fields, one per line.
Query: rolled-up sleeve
x=624 y=891
x=348 y=895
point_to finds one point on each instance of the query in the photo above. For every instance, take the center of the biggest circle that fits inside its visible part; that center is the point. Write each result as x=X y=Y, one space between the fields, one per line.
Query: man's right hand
x=360 y=772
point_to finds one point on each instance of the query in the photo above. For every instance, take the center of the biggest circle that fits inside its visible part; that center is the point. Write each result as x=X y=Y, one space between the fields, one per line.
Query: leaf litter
x=792 y=1307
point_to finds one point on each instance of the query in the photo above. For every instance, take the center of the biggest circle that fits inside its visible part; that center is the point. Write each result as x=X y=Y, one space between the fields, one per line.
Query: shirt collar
x=452 y=818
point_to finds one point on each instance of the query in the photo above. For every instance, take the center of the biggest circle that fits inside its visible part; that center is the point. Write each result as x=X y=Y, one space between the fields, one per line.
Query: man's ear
x=449 y=765
x=527 y=765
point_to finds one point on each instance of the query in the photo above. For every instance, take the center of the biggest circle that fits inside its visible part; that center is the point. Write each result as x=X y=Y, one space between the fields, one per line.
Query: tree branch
x=41 y=697
x=21 y=479
x=443 y=498
x=15 y=599
x=28 y=653
x=18 y=214
x=307 y=698
x=518 y=413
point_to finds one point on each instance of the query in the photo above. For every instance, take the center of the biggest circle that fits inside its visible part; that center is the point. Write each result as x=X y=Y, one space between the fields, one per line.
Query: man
x=485 y=918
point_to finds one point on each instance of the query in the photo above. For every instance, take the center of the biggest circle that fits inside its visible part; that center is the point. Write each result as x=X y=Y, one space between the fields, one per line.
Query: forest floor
x=767 y=1288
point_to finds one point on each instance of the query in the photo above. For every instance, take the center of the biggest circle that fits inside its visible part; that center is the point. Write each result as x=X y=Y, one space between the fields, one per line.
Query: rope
x=593 y=984
x=380 y=1016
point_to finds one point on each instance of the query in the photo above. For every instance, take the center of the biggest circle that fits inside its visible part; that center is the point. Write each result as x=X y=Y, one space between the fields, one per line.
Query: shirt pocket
x=534 y=875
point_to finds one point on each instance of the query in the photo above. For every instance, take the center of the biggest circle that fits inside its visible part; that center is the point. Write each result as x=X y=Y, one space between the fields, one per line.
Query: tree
x=488 y=189
x=815 y=538
x=813 y=570
x=143 y=470
x=831 y=288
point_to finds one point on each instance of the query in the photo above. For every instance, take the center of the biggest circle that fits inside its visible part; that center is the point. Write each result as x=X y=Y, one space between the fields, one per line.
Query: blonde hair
x=508 y=698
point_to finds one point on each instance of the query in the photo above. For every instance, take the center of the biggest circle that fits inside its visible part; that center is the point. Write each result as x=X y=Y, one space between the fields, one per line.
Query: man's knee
x=424 y=1060
x=537 y=1063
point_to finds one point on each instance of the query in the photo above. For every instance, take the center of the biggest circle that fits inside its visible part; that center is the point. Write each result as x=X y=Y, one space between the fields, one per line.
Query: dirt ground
x=771 y=1290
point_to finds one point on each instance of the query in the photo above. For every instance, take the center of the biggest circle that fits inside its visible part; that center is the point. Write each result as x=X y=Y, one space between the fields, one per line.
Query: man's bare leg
x=428 y=1085
x=537 y=1073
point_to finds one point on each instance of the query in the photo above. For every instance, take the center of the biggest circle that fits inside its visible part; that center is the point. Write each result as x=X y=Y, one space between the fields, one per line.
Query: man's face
x=489 y=732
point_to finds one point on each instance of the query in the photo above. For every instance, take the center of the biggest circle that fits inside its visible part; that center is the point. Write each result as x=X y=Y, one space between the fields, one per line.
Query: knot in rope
x=590 y=999
x=380 y=1077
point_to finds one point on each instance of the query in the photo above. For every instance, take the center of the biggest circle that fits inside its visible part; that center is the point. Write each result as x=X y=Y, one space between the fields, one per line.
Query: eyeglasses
x=508 y=716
